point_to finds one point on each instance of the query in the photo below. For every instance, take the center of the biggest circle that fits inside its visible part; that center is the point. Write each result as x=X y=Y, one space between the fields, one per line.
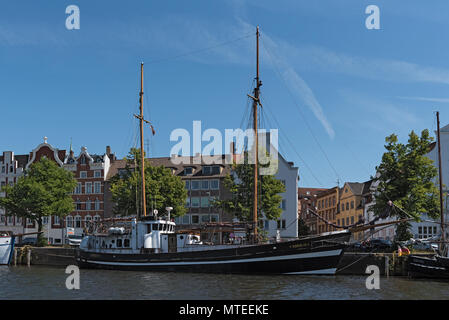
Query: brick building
x=307 y=200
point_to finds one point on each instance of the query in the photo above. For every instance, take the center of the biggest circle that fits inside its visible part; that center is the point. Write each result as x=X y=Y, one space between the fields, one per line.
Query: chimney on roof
x=232 y=150
x=108 y=150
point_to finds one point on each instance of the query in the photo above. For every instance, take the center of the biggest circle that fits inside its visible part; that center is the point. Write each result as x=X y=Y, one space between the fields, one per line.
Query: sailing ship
x=7 y=240
x=152 y=243
x=436 y=266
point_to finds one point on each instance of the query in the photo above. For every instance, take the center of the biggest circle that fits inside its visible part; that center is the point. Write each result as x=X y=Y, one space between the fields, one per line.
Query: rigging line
x=300 y=111
x=292 y=145
x=201 y=50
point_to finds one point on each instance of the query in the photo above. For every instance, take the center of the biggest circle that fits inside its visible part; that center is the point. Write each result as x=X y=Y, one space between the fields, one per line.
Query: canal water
x=37 y=283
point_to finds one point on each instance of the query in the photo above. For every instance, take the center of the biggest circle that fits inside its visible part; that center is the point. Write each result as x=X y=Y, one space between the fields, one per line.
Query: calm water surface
x=38 y=282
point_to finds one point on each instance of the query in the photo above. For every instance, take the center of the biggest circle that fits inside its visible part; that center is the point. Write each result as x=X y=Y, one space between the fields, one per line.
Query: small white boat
x=6 y=247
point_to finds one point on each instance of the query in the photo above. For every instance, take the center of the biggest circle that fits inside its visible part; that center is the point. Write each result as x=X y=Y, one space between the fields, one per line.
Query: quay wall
x=352 y=263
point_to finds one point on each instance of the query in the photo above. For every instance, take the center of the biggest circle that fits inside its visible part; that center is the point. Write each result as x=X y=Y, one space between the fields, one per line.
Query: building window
x=45 y=220
x=83 y=174
x=214 y=184
x=186 y=219
x=195 y=185
x=97 y=187
x=56 y=220
x=215 y=170
x=205 y=218
x=78 y=222
x=10 y=220
x=78 y=189
x=88 y=219
x=97 y=218
x=187 y=184
x=88 y=187
x=88 y=205
x=214 y=218
x=187 y=202
x=347 y=205
x=188 y=171
x=207 y=171
x=97 y=174
x=281 y=224
x=69 y=221
x=97 y=204
x=283 y=204
x=204 y=202
x=195 y=219
x=205 y=184
x=352 y=204
x=78 y=204
x=195 y=202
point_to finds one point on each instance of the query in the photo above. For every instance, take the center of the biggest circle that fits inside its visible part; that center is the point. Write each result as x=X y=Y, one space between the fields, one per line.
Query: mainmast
x=256 y=101
x=142 y=156
x=443 y=236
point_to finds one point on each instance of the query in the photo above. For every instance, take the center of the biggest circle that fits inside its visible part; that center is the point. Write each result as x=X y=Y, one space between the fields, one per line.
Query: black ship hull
x=422 y=267
x=311 y=255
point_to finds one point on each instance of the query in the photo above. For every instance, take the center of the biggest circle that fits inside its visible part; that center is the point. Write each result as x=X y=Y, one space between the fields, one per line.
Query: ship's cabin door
x=172 y=243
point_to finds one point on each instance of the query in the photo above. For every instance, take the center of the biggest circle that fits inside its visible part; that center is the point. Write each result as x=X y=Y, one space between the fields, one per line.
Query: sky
x=332 y=87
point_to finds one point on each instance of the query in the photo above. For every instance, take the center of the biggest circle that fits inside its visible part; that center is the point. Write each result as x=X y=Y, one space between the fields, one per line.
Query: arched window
x=69 y=221
x=78 y=222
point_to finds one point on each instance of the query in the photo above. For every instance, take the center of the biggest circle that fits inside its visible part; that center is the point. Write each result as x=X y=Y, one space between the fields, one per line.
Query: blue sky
x=335 y=88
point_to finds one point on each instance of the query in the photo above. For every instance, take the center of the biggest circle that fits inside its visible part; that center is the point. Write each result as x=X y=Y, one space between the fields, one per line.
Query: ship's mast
x=256 y=101
x=443 y=236
x=142 y=156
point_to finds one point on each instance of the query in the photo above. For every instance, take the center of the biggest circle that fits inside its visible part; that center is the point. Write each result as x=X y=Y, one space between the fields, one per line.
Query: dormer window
x=188 y=171
x=211 y=170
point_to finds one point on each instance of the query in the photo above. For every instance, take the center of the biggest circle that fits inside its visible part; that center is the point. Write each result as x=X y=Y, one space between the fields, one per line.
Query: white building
x=11 y=168
x=428 y=229
x=385 y=232
x=288 y=174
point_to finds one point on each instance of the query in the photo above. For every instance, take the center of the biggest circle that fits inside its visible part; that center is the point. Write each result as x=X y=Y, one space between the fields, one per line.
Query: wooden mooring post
x=15 y=256
x=29 y=257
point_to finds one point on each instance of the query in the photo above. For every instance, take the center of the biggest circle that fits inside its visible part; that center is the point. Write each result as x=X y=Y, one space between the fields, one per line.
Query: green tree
x=303 y=229
x=162 y=188
x=44 y=190
x=407 y=177
x=241 y=185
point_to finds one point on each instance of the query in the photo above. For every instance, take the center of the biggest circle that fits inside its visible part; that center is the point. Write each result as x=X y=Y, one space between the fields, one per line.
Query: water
x=36 y=282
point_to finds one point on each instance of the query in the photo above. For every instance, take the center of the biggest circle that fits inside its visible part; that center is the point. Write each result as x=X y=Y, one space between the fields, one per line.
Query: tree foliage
x=408 y=178
x=241 y=185
x=44 y=190
x=162 y=188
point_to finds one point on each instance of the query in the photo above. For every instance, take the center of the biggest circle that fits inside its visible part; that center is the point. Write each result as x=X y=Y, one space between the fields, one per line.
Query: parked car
x=355 y=246
x=74 y=240
x=378 y=245
x=424 y=246
x=29 y=241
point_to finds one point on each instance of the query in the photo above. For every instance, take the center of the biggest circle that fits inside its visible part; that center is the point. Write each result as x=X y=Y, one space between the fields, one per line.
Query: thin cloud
x=426 y=99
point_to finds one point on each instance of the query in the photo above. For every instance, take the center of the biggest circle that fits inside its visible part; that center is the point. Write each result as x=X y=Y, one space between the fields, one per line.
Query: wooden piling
x=15 y=256
x=29 y=257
